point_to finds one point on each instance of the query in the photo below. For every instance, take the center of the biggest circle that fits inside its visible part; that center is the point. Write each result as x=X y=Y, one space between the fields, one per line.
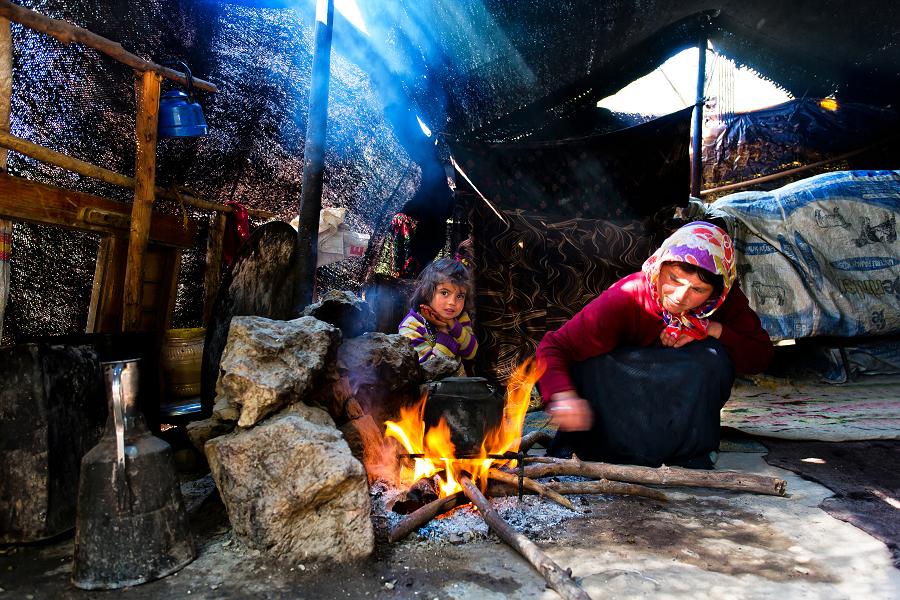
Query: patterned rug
x=866 y=409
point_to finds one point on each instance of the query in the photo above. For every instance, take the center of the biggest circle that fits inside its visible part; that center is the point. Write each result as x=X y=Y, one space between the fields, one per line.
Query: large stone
x=382 y=371
x=268 y=364
x=439 y=366
x=292 y=488
x=200 y=432
x=344 y=310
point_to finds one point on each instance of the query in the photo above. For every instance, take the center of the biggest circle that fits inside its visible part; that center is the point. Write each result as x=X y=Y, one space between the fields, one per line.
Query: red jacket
x=626 y=315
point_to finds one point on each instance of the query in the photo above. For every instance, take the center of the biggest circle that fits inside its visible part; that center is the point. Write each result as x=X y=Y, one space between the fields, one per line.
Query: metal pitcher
x=131 y=526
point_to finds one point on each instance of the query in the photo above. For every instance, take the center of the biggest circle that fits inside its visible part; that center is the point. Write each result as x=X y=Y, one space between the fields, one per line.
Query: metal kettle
x=131 y=526
x=179 y=115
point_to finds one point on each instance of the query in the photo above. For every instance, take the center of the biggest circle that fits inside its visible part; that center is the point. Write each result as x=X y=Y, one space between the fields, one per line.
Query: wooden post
x=213 y=275
x=147 y=91
x=697 y=138
x=306 y=251
x=5 y=95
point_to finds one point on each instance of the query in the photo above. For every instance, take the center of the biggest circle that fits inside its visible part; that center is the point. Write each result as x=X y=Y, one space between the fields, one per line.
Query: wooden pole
x=147 y=90
x=5 y=96
x=555 y=576
x=697 y=137
x=213 y=275
x=314 y=158
x=68 y=33
x=87 y=169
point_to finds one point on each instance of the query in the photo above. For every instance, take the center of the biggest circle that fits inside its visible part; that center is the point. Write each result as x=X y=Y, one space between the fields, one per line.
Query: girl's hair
x=713 y=279
x=440 y=271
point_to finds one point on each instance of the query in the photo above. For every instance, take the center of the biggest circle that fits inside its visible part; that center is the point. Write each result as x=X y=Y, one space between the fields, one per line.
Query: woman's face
x=679 y=291
x=449 y=300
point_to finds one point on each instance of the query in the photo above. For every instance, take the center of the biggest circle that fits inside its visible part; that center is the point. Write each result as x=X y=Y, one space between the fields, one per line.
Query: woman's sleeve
x=593 y=331
x=415 y=330
x=746 y=341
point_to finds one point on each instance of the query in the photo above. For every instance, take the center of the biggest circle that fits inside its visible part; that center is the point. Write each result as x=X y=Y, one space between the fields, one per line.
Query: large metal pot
x=470 y=407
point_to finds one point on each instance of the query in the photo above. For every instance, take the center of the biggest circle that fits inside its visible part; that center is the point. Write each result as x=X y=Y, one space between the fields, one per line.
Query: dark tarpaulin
x=627 y=174
x=799 y=132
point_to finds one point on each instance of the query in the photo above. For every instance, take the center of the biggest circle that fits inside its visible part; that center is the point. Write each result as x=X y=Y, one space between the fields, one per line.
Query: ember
x=434 y=453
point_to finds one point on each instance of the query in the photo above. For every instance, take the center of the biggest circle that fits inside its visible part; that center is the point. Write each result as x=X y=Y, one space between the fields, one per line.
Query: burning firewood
x=602 y=486
x=668 y=476
x=557 y=578
x=532 y=485
x=423 y=515
x=535 y=437
x=418 y=495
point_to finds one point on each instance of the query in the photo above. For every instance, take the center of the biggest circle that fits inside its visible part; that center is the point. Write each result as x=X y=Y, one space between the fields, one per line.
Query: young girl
x=437 y=323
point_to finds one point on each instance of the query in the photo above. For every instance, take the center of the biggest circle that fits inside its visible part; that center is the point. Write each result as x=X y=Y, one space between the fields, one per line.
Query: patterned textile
x=863 y=410
x=459 y=342
x=820 y=256
x=534 y=273
x=703 y=245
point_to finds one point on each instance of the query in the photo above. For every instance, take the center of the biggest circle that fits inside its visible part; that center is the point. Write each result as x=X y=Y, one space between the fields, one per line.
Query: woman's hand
x=713 y=330
x=674 y=340
x=435 y=319
x=569 y=412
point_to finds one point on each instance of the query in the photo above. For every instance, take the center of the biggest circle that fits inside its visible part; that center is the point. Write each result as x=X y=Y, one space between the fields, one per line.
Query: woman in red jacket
x=640 y=374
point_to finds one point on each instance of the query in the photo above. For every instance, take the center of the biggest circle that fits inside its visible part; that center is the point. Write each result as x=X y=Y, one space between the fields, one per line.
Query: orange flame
x=436 y=448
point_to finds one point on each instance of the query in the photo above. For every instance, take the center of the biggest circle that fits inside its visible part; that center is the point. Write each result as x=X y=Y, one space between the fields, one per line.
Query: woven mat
x=866 y=409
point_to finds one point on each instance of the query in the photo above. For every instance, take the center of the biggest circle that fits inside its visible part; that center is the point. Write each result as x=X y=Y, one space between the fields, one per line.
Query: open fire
x=433 y=451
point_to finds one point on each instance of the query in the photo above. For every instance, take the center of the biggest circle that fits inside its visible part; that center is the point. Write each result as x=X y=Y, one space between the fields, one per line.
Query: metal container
x=470 y=408
x=131 y=526
x=181 y=357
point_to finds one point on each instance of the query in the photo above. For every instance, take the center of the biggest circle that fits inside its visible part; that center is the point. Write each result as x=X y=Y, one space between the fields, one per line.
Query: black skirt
x=652 y=406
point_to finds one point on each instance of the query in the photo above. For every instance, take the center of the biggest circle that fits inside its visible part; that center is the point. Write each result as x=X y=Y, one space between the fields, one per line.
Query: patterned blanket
x=868 y=409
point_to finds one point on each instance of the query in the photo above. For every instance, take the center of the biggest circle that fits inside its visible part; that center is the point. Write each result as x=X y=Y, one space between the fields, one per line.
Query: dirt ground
x=700 y=544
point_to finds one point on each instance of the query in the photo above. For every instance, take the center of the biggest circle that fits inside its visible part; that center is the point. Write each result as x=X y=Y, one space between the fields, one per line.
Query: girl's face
x=681 y=292
x=449 y=300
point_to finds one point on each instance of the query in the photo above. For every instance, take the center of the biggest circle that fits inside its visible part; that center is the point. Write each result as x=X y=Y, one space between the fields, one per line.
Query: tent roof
x=493 y=64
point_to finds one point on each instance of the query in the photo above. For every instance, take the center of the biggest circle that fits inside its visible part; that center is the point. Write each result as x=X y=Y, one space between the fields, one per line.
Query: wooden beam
x=5 y=104
x=87 y=169
x=213 y=276
x=68 y=33
x=147 y=92
x=32 y=202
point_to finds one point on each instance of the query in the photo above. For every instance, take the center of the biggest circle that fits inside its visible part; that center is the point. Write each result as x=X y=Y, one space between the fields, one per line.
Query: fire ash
x=434 y=453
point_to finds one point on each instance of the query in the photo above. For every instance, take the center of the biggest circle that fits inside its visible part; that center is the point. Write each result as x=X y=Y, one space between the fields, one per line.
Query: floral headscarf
x=706 y=246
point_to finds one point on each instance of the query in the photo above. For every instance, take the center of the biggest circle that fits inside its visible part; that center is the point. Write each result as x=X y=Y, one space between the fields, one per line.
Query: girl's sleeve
x=415 y=330
x=464 y=336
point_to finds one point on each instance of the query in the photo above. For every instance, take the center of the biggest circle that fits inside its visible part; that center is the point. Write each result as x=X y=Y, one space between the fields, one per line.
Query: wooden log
x=603 y=486
x=420 y=517
x=147 y=90
x=212 y=278
x=530 y=484
x=42 y=204
x=669 y=476
x=68 y=33
x=557 y=578
x=64 y=161
x=535 y=437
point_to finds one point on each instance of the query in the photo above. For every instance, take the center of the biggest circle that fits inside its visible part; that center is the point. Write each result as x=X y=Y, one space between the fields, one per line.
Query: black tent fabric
x=498 y=71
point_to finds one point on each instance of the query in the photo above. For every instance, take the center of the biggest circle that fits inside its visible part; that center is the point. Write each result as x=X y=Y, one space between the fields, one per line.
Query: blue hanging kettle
x=179 y=115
